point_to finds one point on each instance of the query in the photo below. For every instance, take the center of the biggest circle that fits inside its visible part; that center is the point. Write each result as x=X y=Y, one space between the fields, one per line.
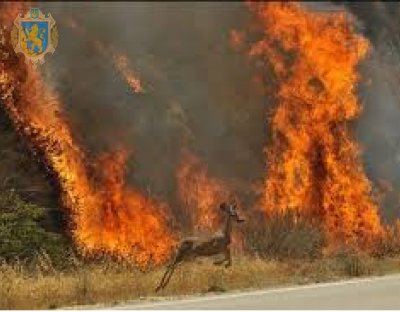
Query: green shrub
x=21 y=234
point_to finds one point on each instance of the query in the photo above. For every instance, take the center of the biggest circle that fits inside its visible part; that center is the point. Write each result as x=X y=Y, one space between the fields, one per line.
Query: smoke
x=198 y=91
x=378 y=129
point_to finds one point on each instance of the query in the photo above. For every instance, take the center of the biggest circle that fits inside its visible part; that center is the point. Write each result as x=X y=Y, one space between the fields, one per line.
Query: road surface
x=372 y=293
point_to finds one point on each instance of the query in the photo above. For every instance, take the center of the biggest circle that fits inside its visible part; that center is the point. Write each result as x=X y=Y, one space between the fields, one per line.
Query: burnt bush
x=389 y=245
x=283 y=236
x=353 y=262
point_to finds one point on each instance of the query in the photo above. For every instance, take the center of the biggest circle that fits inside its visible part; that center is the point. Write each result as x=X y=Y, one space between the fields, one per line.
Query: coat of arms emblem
x=34 y=36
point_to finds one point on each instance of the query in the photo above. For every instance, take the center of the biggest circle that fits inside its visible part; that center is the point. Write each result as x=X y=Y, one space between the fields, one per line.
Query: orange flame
x=120 y=61
x=313 y=161
x=123 y=221
x=237 y=39
x=108 y=216
x=397 y=227
x=200 y=193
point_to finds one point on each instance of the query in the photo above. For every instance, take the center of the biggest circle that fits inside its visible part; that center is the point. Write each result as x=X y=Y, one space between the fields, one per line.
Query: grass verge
x=43 y=287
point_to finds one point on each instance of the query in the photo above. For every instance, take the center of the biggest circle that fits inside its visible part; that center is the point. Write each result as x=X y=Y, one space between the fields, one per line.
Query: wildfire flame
x=200 y=193
x=120 y=61
x=123 y=221
x=237 y=39
x=314 y=164
x=107 y=216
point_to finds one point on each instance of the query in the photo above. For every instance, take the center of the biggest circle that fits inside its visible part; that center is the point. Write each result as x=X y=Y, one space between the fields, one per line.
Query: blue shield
x=34 y=13
x=34 y=37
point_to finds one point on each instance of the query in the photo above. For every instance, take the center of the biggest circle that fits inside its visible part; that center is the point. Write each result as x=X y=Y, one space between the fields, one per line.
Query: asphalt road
x=378 y=293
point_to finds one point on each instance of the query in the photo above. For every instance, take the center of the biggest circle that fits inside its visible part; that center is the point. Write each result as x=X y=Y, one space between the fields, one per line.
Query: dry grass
x=282 y=253
x=43 y=287
x=284 y=236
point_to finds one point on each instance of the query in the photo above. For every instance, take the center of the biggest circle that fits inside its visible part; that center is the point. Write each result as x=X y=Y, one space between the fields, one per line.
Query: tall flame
x=313 y=162
x=314 y=165
x=200 y=193
x=107 y=216
x=123 y=221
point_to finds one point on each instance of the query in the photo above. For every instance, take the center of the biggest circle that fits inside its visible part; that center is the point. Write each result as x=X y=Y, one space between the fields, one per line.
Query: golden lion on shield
x=33 y=37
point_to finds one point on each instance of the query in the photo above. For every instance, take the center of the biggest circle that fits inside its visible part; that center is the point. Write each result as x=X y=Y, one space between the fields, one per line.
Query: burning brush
x=107 y=217
x=314 y=165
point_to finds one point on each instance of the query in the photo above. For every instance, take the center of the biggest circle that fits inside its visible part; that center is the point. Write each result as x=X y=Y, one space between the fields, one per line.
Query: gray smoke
x=199 y=90
x=379 y=128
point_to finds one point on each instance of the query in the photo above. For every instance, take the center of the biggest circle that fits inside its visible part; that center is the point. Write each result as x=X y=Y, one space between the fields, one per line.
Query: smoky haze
x=378 y=130
x=198 y=92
